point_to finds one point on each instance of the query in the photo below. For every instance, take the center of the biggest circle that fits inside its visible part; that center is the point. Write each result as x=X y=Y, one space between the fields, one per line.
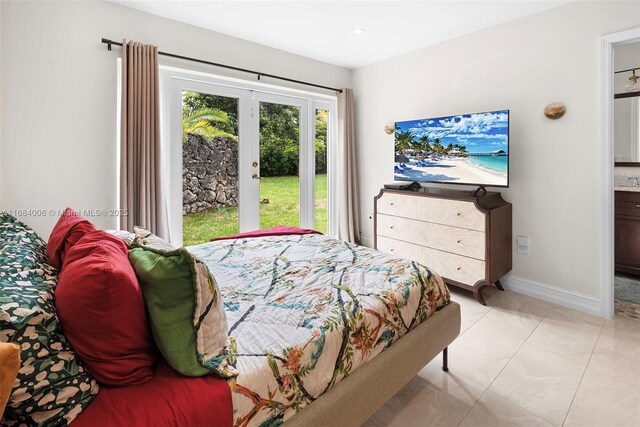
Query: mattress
x=305 y=311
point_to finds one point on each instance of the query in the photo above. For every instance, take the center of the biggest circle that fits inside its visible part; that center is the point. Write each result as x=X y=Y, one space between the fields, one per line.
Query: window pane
x=279 y=165
x=209 y=167
x=321 y=170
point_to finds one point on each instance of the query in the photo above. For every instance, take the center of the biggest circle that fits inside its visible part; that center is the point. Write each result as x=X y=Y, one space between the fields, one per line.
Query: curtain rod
x=109 y=43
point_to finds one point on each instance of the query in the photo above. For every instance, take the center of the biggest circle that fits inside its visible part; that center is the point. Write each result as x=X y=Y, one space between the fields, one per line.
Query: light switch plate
x=522 y=242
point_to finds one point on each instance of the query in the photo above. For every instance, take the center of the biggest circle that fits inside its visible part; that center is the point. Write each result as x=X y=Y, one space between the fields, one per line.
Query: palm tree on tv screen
x=437 y=147
x=404 y=141
x=424 y=144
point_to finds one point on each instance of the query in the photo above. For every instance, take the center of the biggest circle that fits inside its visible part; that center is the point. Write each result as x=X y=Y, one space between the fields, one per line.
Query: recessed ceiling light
x=359 y=31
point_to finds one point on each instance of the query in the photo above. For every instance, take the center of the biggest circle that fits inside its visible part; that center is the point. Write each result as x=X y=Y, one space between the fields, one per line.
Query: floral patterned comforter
x=304 y=311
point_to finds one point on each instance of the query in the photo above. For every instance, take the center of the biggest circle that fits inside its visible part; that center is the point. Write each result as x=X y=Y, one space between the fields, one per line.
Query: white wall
x=58 y=102
x=522 y=65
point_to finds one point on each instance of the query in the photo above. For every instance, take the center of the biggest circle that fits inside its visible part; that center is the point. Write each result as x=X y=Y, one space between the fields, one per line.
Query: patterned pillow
x=186 y=312
x=52 y=386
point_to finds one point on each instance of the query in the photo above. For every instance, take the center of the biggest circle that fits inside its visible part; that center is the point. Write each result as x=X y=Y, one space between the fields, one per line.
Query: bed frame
x=354 y=399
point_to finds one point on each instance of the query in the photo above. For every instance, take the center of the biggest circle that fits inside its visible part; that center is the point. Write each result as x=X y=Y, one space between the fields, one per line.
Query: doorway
x=626 y=141
x=608 y=158
x=245 y=158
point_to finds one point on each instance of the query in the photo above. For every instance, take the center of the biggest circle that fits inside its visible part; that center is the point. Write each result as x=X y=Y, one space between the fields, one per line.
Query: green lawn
x=283 y=195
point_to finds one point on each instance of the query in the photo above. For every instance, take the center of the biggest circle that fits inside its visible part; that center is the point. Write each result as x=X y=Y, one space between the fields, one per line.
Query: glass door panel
x=321 y=185
x=279 y=145
x=210 y=166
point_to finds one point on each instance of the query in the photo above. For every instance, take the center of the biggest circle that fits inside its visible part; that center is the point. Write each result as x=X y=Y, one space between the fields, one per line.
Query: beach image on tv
x=465 y=149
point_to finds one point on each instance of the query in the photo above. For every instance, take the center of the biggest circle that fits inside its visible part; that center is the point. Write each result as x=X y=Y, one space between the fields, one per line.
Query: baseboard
x=570 y=299
x=541 y=291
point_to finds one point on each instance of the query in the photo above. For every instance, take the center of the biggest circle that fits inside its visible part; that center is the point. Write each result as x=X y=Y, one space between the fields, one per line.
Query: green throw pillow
x=187 y=317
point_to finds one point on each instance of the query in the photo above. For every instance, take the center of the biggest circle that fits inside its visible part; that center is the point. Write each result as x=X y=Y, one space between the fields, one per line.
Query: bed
x=315 y=323
x=322 y=332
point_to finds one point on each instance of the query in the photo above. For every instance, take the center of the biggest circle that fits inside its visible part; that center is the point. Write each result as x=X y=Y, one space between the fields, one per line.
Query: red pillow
x=69 y=229
x=102 y=311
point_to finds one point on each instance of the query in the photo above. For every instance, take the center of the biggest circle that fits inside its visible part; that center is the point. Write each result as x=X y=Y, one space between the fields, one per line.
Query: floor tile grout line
x=471 y=325
x=573 y=317
x=510 y=359
x=503 y=368
x=487 y=388
x=582 y=377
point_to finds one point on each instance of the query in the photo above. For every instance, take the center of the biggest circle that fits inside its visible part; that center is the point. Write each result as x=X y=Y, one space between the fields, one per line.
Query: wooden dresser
x=465 y=239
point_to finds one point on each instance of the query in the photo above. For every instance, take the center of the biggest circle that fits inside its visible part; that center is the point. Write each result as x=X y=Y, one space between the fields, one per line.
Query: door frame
x=174 y=81
x=607 y=269
x=175 y=85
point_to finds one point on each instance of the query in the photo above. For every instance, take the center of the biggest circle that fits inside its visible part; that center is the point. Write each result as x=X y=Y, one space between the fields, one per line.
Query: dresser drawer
x=455 y=213
x=454 y=267
x=461 y=241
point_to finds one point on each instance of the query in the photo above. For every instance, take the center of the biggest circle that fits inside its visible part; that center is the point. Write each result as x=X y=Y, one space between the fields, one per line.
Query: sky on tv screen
x=479 y=132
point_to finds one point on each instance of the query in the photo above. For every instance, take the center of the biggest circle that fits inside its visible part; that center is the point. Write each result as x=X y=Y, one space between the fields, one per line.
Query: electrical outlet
x=522 y=242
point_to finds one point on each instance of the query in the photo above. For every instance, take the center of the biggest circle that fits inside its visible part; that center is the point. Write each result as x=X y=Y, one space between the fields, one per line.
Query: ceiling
x=323 y=30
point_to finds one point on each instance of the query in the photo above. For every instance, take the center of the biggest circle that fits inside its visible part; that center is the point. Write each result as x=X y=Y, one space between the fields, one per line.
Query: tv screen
x=471 y=149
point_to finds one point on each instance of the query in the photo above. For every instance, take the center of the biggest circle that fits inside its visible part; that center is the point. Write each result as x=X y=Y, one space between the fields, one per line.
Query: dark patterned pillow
x=52 y=386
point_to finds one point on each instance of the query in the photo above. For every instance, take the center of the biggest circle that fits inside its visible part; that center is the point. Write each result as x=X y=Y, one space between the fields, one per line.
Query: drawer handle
x=637 y=206
x=459 y=268
x=391 y=250
x=391 y=203
x=459 y=241
x=391 y=227
x=458 y=213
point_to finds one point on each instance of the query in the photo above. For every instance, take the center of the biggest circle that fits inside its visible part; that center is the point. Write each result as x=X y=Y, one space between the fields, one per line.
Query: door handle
x=255 y=176
x=254 y=164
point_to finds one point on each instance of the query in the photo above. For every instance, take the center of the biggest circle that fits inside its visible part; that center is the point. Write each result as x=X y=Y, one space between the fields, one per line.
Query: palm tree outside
x=205 y=122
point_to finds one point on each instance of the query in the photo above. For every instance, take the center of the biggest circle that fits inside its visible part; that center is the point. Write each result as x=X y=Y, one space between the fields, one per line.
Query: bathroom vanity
x=627 y=230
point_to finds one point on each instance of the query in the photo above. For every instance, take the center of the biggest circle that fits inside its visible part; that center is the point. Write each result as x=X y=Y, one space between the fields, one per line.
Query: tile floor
x=520 y=361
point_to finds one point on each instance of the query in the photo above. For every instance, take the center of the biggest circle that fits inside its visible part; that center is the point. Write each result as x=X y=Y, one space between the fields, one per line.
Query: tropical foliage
x=205 y=122
x=279 y=130
x=405 y=141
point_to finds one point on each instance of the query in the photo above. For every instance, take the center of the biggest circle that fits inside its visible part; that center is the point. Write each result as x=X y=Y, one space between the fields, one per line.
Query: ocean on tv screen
x=463 y=149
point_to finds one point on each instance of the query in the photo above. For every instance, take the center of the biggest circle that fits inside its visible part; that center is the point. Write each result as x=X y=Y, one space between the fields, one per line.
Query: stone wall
x=209 y=173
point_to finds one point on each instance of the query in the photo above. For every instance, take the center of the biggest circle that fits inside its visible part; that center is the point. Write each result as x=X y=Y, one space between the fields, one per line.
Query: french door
x=240 y=159
x=283 y=175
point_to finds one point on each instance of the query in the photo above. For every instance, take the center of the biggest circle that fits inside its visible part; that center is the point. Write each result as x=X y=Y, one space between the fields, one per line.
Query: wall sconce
x=390 y=128
x=555 y=110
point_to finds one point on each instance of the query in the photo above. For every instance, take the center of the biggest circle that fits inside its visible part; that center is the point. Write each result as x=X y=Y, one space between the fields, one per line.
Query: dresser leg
x=478 y=295
x=445 y=359
x=499 y=286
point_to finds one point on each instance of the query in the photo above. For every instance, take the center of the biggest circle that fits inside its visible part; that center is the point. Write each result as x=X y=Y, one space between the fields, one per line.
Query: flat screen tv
x=470 y=149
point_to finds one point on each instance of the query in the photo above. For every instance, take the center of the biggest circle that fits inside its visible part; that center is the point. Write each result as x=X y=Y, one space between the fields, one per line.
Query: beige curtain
x=141 y=192
x=349 y=207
